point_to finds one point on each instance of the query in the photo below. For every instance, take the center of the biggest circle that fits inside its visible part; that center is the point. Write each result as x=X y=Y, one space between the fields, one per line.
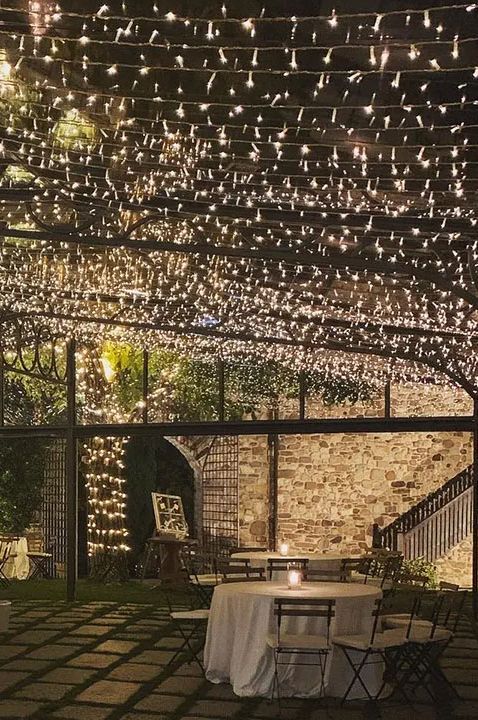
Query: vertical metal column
x=145 y=385
x=273 y=488
x=388 y=399
x=302 y=394
x=2 y=392
x=220 y=401
x=475 y=509
x=71 y=463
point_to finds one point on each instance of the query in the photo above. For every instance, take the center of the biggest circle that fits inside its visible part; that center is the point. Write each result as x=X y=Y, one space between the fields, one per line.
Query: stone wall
x=253 y=494
x=333 y=487
x=457 y=565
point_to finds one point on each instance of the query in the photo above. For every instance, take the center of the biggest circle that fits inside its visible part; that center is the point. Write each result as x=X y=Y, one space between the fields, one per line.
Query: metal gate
x=220 y=496
x=53 y=507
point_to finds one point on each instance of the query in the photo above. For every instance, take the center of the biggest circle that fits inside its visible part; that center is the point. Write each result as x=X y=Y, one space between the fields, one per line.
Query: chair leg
x=357 y=669
x=391 y=670
x=187 y=638
x=4 y=580
x=275 y=682
x=323 y=666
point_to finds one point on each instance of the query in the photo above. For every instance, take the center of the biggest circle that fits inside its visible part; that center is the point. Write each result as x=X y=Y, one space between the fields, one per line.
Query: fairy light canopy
x=292 y=179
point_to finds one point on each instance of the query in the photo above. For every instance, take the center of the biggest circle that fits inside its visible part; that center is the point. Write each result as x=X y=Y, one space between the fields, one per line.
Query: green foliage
x=22 y=463
x=337 y=390
x=188 y=389
x=127 y=362
x=75 y=131
x=420 y=567
x=30 y=401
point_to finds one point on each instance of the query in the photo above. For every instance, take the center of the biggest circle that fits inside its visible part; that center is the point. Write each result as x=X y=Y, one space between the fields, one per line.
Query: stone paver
x=160 y=703
x=108 y=692
x=135 y=672
x=43 y=691
x=84 y=712
x=69 y=675
x=94 y=660
x=18 y=708
x=100 y=661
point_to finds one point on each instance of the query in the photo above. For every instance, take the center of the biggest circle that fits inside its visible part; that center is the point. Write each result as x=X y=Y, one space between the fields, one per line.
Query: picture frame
x=169 y=515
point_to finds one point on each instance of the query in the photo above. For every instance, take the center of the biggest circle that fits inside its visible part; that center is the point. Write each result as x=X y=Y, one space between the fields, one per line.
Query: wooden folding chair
x=293 y=646
x=375 y=647
x=41 y=562
x=190 y=622
x=6 y=554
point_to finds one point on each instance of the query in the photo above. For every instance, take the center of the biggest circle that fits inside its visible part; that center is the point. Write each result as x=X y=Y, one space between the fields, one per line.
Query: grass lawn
x=133 y=591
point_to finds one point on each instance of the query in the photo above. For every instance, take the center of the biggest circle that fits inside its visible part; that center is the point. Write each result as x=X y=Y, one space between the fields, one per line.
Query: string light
x=338 y=206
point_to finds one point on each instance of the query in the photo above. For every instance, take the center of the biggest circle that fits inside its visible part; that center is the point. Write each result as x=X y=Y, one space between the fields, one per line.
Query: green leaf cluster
x=22 y=463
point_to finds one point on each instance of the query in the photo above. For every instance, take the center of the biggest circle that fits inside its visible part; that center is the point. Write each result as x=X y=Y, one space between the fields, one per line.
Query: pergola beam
x=464 y=423
x=347 y=263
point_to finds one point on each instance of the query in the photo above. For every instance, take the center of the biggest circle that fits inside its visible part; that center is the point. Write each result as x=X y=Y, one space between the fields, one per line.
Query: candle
x=283 y=549
x=294 y=579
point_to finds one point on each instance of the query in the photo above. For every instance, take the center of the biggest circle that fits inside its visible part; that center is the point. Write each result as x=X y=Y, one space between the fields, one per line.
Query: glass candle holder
x=294 y=576
x=283 y=549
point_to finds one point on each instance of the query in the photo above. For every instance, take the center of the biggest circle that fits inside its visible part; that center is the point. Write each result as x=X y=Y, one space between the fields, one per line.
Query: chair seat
x=387 y=639
x=208 y=580
x=357 y=576
x=403 y=620
x=39 y=555
x=421 y=635
x=200 y=614
x=298 y=642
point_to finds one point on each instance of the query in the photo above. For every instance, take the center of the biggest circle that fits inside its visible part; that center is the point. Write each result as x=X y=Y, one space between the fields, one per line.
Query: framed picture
x=169 y=515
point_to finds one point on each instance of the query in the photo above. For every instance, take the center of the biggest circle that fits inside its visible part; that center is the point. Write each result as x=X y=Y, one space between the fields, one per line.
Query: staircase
x=435 y=525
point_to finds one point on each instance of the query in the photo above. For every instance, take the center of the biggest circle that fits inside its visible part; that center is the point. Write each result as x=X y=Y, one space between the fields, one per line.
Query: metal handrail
x=424 y=510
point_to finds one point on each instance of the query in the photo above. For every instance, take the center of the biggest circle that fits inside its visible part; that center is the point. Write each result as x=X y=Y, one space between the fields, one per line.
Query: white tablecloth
x=241 y=617
x=19 y=566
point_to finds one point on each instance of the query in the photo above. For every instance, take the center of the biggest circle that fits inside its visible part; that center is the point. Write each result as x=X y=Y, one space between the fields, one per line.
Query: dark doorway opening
x=154 y=465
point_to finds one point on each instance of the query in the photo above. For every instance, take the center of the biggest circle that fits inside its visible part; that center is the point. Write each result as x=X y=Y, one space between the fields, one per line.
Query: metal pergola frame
x=22 y=331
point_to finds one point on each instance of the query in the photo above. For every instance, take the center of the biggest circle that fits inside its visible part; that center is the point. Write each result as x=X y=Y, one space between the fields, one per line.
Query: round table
x=328 y=561
x=241 y=617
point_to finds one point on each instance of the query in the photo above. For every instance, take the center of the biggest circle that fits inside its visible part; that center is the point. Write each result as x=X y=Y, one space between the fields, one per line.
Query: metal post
x=388 y=399
x=302 y=394
x=220 y=378
x=475 y=509
x=2 y=392
x=145 y=385
x=71 y=477
x=273 y=489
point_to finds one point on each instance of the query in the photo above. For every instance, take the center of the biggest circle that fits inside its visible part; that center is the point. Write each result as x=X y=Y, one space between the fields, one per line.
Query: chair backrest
x=360 y=565
x=227 y=567
x=386 y=567
x=6 y=546
x=249 y=549
x=254 y=575
x=174 y=592
x=453 y=605
x=411 y=582
x=196 y=563
x=35 y=538
x=303 y=607
x=332 y=572
x=278 y=564
x=443 y=585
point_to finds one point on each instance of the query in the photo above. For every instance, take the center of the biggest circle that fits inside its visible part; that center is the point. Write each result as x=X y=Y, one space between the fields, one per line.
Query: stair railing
x=432 y=527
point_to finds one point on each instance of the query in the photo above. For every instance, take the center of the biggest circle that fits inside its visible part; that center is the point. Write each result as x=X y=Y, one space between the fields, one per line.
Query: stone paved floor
x=99 y=661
